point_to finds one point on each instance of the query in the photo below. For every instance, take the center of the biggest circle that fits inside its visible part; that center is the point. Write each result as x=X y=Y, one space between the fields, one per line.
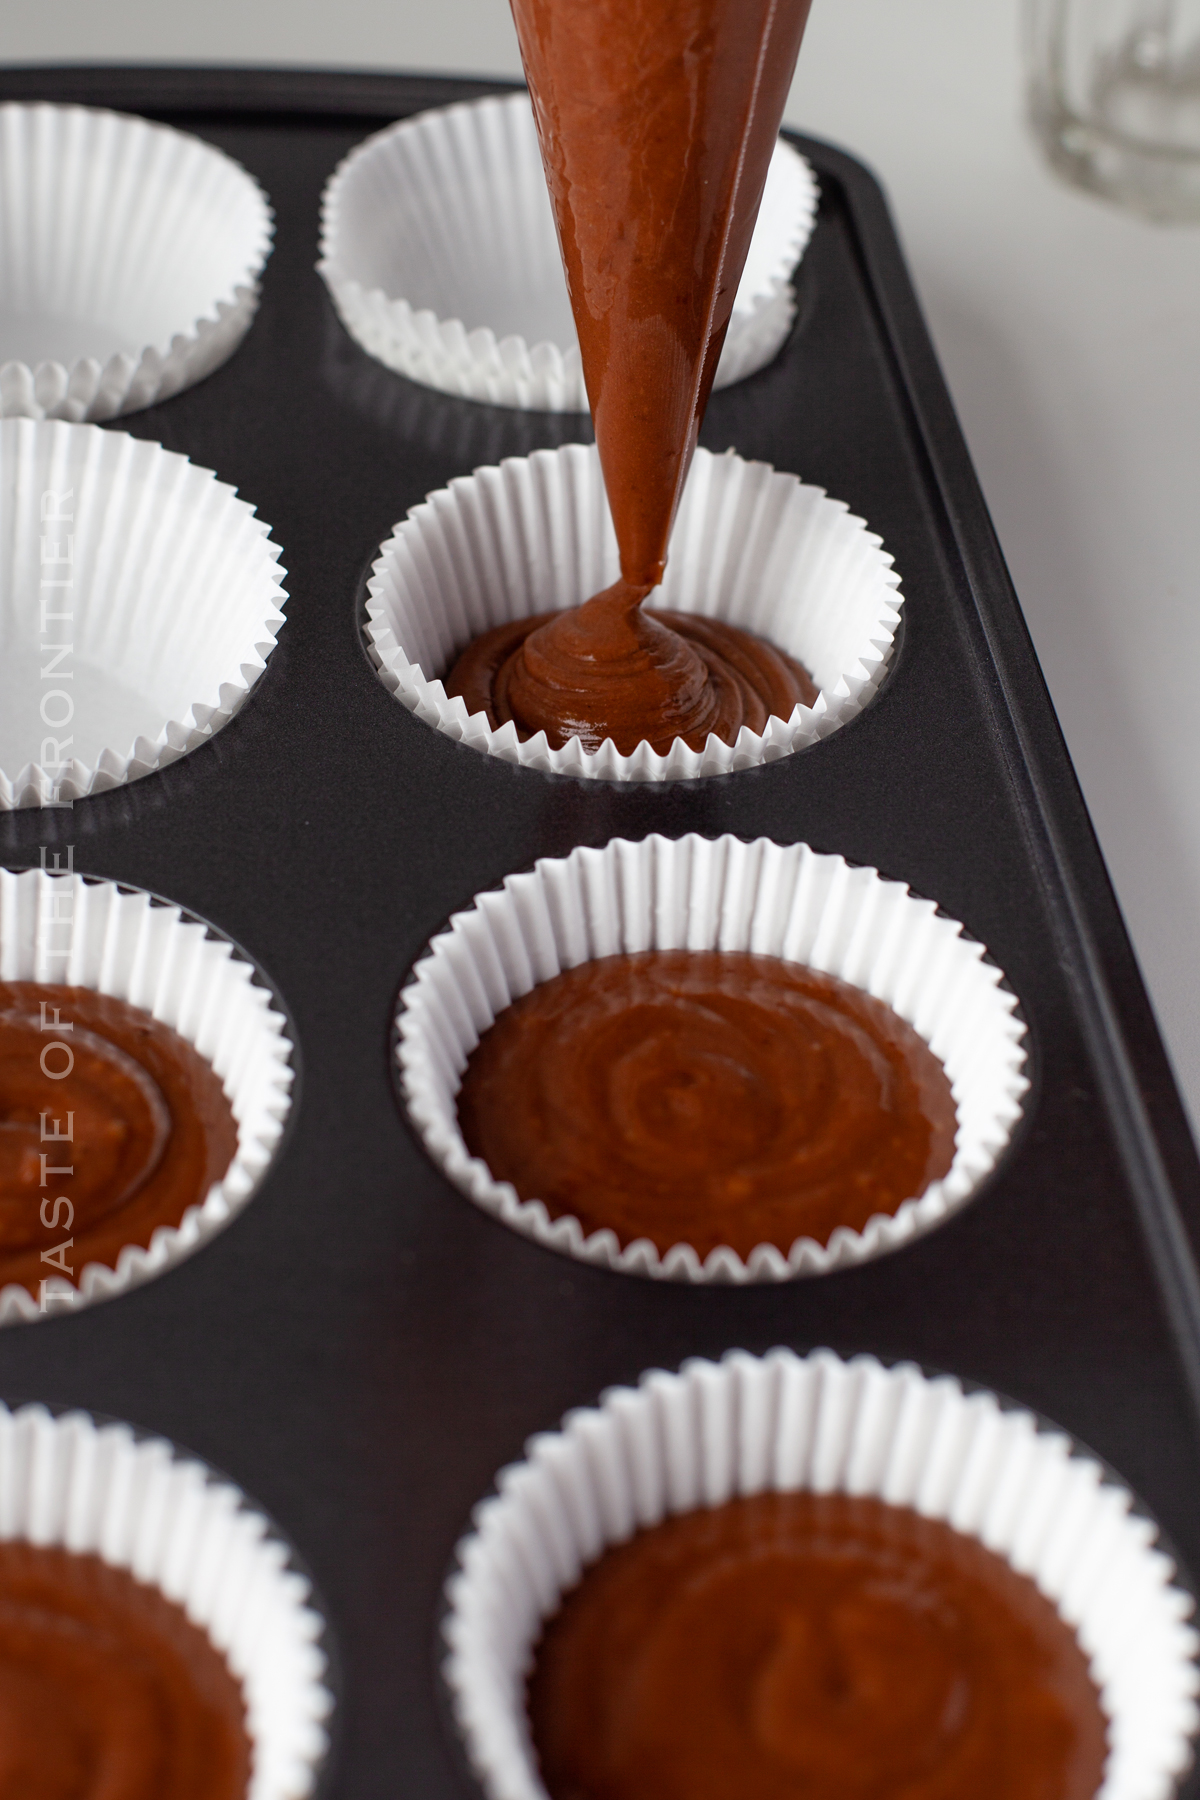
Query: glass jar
x=1114 y=97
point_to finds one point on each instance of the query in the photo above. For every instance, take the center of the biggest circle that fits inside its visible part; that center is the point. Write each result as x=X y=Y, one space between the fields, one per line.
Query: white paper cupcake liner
x=139 y=601
x=784 y=1423
x=439 y=248
x=751 y=546
x=130 y=257
x=93 y=934
x=699 y=894
x=139 y=1505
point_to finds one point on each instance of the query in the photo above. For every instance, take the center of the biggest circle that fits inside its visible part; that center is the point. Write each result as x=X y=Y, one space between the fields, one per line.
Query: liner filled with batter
x=144 y=1081
x=107 y=1686
x=829 y=1645
x=156 y=1642
x=111 y=1125
x=790 y=608
x=675 y=1129
x=710 y=1098
x=781 y=1575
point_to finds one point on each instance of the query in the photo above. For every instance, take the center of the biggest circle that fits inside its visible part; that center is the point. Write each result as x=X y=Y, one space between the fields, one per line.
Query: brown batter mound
x=812 y=1647
x=107 y=1691
x=519 y=671
x=707 y=1098
x=151 y=1130
x=656 y=125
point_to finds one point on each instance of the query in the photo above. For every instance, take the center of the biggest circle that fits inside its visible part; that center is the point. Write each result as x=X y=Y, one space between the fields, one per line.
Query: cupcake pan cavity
x=93 y=934
x=139 y=1505
x=439 y=248
x=751 y=546
x=693 y=893
x=139 y=601
x=364 y=1349
x=130 y=257
x=783 y=1423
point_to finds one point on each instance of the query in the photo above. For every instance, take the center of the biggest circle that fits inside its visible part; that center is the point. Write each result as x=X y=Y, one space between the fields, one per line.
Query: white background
x=1070 y=334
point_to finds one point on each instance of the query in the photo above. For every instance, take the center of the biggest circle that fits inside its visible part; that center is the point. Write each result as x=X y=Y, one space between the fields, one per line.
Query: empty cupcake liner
x=701 y=894
x=782 y=1423
x=138 y=1504
x=439 y=248
x=122 y=942
x=130 y=257
x=139 y=601
x=751 y=546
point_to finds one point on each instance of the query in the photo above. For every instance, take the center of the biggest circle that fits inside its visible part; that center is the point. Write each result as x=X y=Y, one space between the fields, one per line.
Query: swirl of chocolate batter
x=544 y=671
x=656 y=126
x=107 y=1690
x=816 y=1645
x=150 y=1128
x=707 y=1098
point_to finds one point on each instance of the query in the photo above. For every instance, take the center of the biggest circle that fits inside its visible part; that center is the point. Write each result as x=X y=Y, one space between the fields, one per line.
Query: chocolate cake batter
x=151 y=1129
x=656 y=125
x=707 y=1098
x=745 y=678
x=107 y=1691
x=812 y=1647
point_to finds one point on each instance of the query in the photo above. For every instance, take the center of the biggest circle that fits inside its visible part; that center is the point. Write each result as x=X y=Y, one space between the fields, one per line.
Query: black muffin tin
x=363 y=1348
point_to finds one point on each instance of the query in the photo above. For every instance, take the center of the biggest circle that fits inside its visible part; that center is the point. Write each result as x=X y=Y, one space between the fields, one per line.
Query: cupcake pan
x=691 y=893
x=750 y=545
x=439 y=249
x=362 y=1348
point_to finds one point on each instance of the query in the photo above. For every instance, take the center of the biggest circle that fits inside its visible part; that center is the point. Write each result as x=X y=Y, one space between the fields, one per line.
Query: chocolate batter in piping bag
x=656 y=119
